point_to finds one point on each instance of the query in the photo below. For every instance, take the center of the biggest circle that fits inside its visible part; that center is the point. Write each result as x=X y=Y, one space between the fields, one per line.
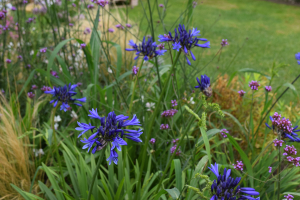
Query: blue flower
x=65 y=96
x=147 y=49
x=297 y=56
x=112 y=131
x=204 y=85
x=226 y=187
x=185 y=40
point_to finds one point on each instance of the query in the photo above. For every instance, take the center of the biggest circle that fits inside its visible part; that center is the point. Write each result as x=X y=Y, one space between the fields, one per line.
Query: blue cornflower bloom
x=185 y=40
x=147 y=49
x=297 y=56
x=65 y=96
x=111 y=131
x=204 y=85
x=284 y=127
x=226 y=187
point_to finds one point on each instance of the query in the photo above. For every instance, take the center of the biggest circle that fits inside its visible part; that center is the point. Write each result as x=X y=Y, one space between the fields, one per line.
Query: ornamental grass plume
x=111 y=132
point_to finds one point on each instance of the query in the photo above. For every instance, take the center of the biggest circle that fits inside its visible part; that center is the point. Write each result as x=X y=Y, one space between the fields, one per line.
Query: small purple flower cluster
x=119 y=26
x=111 y=30
x=239 y=165
x=30 y=95
x=295 y=161
x=46 y=88
x=224 y=42
x=164 y=126
x=30 y=20
x=268 y=88
x=173 y=148
x=43 y=50
x=174 y=141
x=289 y=197
x=87 y=31
x=135 y=70
x=100 y=2
x=8 y=61
x=241 y=93
x=82 y=46
x=34 y=87
x=223 y=132
x=169 y=113
x=152 y=140
x=290 y=150
x=54 y=73
x=278 y=142
x=174 y=103
x=254 y=85
x=270 y=169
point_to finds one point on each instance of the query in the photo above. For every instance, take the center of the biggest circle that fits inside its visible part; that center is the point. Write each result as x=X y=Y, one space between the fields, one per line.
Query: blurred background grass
x=272 y=30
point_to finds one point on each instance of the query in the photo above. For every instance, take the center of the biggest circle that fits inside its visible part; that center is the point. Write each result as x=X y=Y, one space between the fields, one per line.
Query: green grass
x=272 y=31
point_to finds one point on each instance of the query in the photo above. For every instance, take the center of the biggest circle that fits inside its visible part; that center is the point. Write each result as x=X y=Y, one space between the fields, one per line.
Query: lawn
x=272 y=32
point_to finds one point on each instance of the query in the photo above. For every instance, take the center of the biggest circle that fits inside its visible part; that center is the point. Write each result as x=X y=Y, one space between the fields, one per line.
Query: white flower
x=73 y=114
x=57 y=118
x=150 y=106
x=142 y=97
x=56 y=126
x=109 y=70
x=37 y=152
x=33 y=28
x=31 y=52
x=191 y=100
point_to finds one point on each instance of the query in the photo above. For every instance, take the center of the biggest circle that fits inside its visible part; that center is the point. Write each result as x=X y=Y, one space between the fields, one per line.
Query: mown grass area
x=272 y=31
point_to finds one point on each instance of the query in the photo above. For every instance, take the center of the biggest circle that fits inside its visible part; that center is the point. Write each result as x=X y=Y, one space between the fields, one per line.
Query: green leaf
x=206 y=143
x=21 y=192
x=174 y=192
x=250 y=70
x=27 y=82
x=54 y=55
x=159 y=194
x=178 y=173
x=244 y=158
x=46 y=190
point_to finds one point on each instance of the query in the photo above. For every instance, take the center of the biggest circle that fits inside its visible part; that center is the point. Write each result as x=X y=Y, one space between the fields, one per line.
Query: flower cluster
x=46 y=88
x=184 y=41
x=295 y=161
x=100 y=2
x=174 y=141
x=54 y=73
x=174 y=103
x=289 y=150
x=204 y=85
x=169 y=113
x=289 y=197
x=173 y=148
x=43 y=50
x=152 y=140
x=87 y=31
x=226 y=187
x=65 y=96
x=241 y=93
x=254 y=85
x=239 y=165
x=268 y=88
x=30 y=95
x=147 y=49
x=111 y=131
x=135 y=70
x=270 y=169
x=119 y=26
x=224 y=42
x=284 y=127
x=223 y=132
x=164 y=126
x=278 y=142
x=297 y=56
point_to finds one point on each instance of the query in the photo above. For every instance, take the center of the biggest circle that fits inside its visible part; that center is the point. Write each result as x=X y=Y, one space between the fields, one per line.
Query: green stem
x=95 y=173
x=133 y=90
x=56 y=151
x=279 y=167
x=151 y=124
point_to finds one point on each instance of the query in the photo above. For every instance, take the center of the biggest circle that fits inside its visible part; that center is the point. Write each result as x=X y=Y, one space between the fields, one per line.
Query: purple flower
x=54 y=73
x=73 y=4
x=152 y=140
x=169 y=113
x=164 y=126
x=28 y=66
x=289 y=197
x=284 y=127
x=174 y=141
x=270 y=169
x=128 y=25
x=223 y=132
x=173 y=148
x=46 y=88
x=161 y=46
x=34 y=87
x=101 y=2
x=226 y=187
x=268 y=88
x=90 y=6
x=289 y=150
x=174 y=103
x=71 y=24
x=82 y=46
x=2 y=15
x=147 y=49
x=43 y=50
x=239 y=165
x=65 y=96
x=111 y=30
x=278 y=142
x=111 y=130
x=185 y=40
x=30 y=95
x=87 y=31
x=161 y=5
x=254 y=85
x=8 y=61
x=294 y=161
x=119 y=26
x=135 y=70
x=204 y=85
x=224 y=43
x=20 y=57
x=241 y=93
x=13 y=8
